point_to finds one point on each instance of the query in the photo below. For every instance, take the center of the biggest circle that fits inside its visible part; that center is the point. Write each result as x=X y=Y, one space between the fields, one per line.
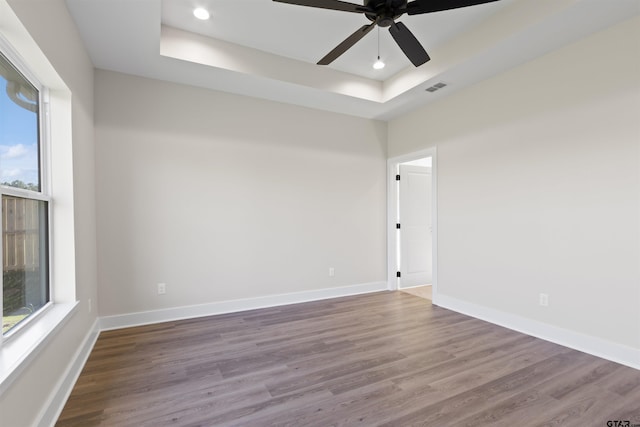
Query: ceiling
x=307 y=34
x=269 y=50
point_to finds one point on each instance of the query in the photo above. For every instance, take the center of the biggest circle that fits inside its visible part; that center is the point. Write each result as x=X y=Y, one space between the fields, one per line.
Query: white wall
x=225 y=197
x=538 y=187
x=50 y=25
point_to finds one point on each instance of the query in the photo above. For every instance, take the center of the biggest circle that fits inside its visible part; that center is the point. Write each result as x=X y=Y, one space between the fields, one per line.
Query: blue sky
x=18 y=140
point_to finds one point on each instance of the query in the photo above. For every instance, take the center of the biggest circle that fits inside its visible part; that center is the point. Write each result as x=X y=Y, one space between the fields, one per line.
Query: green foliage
x=9 y=322
x=13 y=290
x=15 y=287
x=19 y=184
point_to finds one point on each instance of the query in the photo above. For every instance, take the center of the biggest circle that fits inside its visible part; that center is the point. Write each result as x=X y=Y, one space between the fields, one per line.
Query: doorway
x=412 y=235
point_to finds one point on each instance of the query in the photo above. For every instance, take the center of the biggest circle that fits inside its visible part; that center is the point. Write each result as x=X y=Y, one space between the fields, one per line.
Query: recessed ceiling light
x=201 y=13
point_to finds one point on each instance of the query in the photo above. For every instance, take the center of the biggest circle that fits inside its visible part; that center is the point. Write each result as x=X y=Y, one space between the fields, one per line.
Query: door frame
x=392 y=218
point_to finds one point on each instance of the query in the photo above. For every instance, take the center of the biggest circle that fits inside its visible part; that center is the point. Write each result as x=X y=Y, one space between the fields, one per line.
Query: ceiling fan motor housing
x=385 y=12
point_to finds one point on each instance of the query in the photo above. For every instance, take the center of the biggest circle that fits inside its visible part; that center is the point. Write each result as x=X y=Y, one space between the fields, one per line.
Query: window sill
x=17 y=352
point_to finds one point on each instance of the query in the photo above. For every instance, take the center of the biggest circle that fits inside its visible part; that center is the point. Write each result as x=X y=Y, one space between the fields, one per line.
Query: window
x=25 y=203
x=38 y=284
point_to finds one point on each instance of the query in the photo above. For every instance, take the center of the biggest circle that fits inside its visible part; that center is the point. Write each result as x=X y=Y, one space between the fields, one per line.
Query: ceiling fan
x=384 y=13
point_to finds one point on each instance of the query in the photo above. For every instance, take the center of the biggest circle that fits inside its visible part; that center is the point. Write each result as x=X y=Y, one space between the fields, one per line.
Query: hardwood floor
x=388 y=359
x=424 y=291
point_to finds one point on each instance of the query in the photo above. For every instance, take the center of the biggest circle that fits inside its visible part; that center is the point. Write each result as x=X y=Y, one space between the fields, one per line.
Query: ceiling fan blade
x=409 y=44
x=328 y=4
x=417 y=7
x=346 y=44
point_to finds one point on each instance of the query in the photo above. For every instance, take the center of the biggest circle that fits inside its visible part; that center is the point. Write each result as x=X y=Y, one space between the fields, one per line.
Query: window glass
x=25 y=269
x=19 y=130
x=24 y=265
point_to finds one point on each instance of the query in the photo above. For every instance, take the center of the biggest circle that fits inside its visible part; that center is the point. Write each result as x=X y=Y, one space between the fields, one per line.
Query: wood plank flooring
x=424 y=291
x=383 y=359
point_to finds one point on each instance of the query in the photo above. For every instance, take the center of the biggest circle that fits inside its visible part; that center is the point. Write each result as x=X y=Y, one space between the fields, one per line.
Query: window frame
x=26 y=347
x=44 y=195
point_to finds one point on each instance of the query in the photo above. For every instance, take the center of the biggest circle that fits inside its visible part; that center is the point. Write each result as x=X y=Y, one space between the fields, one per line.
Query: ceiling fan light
x=201 y=13
x=378 y=65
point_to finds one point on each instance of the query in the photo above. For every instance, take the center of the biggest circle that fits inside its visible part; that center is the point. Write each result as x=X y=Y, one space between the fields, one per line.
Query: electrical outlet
x=332 y=272
x=162 y=288
x=543 y=300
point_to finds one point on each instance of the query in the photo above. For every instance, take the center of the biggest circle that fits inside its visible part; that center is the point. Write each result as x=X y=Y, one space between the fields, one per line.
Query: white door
x=415 y=225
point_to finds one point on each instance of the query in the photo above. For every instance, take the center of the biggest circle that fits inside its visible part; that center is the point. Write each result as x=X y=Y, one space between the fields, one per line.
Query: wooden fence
x=21 y=234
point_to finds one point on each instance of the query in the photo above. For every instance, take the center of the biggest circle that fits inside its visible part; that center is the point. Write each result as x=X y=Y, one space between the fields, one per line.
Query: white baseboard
x=232 y=306
x=599 y=347
x=58 y=398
